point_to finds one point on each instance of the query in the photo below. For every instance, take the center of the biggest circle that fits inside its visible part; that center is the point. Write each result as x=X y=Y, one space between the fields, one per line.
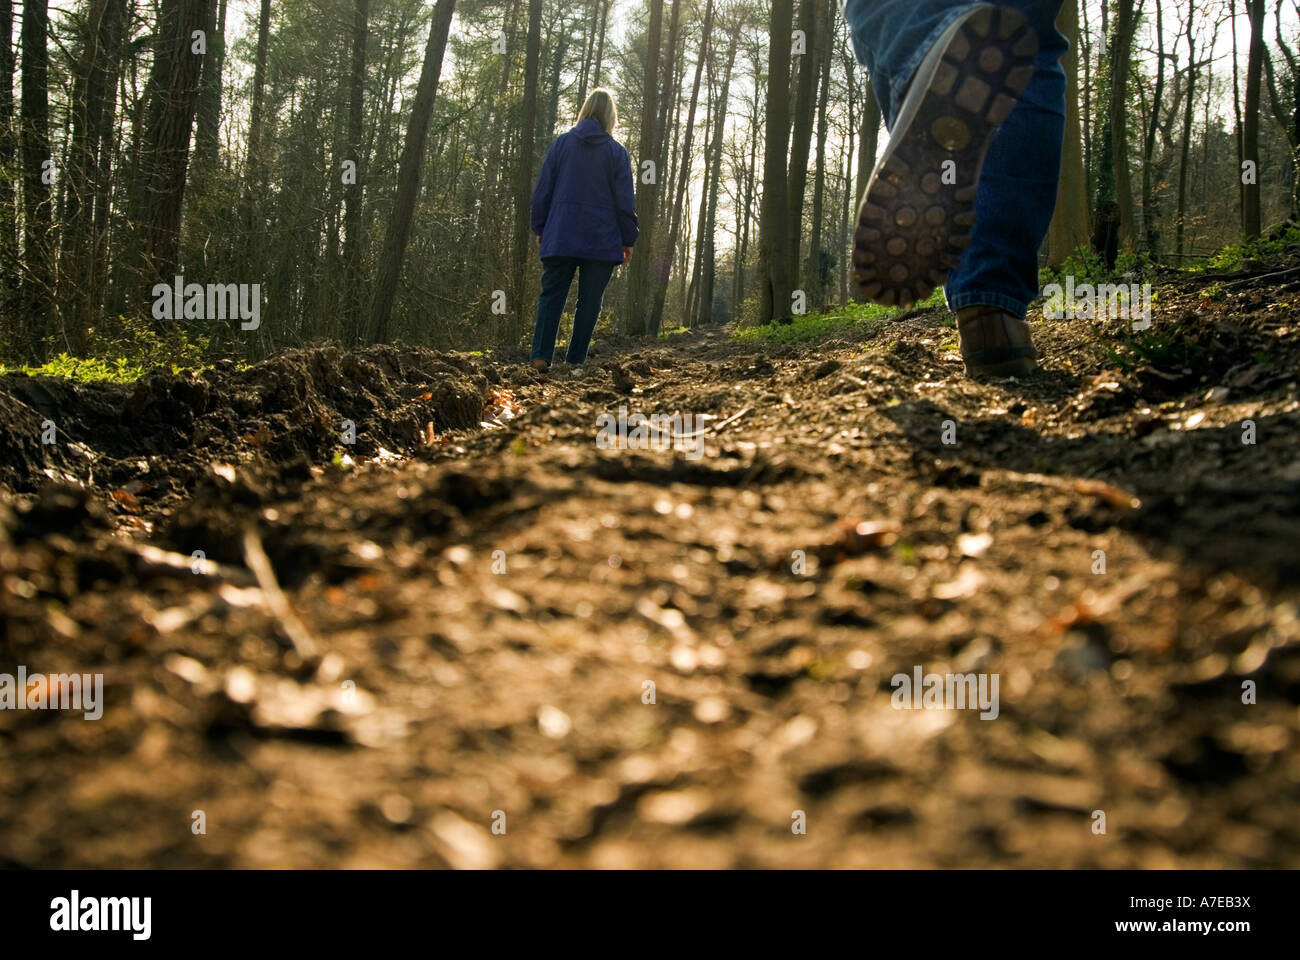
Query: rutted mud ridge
x=289 y=407
x=373 y=664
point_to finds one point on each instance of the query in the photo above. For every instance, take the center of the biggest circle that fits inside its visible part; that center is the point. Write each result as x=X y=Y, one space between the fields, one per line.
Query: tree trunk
x=8 y=166
x=1119 y=120
x=1149 y=236
x=773 y=226
x=583 y=75
x=1085 y=47
x=524 y=178
x=167 y=140
x=714 y=180
x=490 y=220
x=811 y=21
x=560 y=37
x=38 y=220
x=692 y=307
x=208 y=121
x=1069 y=229
x=1180 y=226
x=93 y=88
x=1236 y=101
x=638 y=317
x=813 y=267
x=846 y=178
x=408 y=176
x=1250 y=213
x=1289 y=125
x=600 y=43
x=708 y=237
x=259 y=93
x=352 y=193
x=670 y=197
x=746 y=215
x=668 y=101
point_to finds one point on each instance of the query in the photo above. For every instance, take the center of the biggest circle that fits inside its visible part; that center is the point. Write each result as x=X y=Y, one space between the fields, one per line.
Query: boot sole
x=912 y=226
x=1021 y=366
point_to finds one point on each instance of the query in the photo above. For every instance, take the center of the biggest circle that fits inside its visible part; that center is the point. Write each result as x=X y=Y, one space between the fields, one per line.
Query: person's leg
x=1017 y=188
x=557 y=276
x=891 y=37
x=984 y=78
x=593 y=277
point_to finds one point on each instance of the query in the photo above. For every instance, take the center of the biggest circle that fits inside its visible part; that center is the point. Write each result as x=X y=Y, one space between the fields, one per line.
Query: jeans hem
x=960 y=301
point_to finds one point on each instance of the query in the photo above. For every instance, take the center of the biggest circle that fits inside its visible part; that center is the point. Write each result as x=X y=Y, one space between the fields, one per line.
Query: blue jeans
x=1017 y=188
x=557 y=277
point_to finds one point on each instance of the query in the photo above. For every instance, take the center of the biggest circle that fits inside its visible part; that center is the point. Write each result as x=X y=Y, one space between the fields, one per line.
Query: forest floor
x=383 y=655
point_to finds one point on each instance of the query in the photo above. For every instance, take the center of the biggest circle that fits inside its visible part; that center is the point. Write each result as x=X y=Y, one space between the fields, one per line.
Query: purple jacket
x=583 y=204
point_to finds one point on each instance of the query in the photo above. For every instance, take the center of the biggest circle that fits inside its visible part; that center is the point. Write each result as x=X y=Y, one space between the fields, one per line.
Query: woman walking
x=584 y=215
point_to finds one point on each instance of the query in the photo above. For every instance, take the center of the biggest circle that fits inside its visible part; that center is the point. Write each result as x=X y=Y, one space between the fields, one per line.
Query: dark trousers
x=557 y=277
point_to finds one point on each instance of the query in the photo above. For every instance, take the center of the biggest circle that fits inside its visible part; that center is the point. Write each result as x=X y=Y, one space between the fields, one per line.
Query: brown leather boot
x=995 y=343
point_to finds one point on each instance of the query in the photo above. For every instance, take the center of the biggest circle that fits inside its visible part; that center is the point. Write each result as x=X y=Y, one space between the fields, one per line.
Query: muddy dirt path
x=647 y=658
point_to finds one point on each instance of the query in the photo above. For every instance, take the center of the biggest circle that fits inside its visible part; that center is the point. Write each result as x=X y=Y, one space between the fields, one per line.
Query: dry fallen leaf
x=1077 y=614
x=858 y=538
x=127 y=501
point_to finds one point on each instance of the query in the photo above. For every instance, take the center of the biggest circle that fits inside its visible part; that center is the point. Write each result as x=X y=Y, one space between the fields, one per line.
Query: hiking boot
x=918 y=211
x=538 y=364
x=995 y=343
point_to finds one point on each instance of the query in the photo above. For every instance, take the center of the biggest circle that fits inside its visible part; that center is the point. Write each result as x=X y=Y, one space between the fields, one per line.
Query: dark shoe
x=914 y=222
x=995 y=343
x=537 y=363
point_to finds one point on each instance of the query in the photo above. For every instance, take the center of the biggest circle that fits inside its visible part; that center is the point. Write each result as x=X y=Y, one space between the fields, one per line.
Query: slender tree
x=352 y=194
x=94 y=76
x=683 y=176
x=709 y=275
x=408 y=178
x=813 y=267
x=38 y=216
x=1069 y=228
x=257 y=110
x=1288 y=124
x=1250 y=215
x=1153 y=123
x=9 y=266
x=774 y=233
x=846 y=171
x=600 y=42
x=812 y=24
x=208 y=122
x=173 y=101
x=638 y=317
x=1181 y=219
x=1119 y=73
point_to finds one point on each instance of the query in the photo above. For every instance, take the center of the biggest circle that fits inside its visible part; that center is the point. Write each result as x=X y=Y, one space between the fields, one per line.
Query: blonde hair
x=600 y=104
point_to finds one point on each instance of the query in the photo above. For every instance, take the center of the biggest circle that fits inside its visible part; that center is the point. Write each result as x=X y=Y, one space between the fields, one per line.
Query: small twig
x=257 y=561
x=152 y=556
x=714 y=428
x=1262 y=276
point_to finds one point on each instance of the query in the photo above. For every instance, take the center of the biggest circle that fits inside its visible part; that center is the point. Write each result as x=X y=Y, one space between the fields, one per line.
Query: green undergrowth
x=810 y=326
